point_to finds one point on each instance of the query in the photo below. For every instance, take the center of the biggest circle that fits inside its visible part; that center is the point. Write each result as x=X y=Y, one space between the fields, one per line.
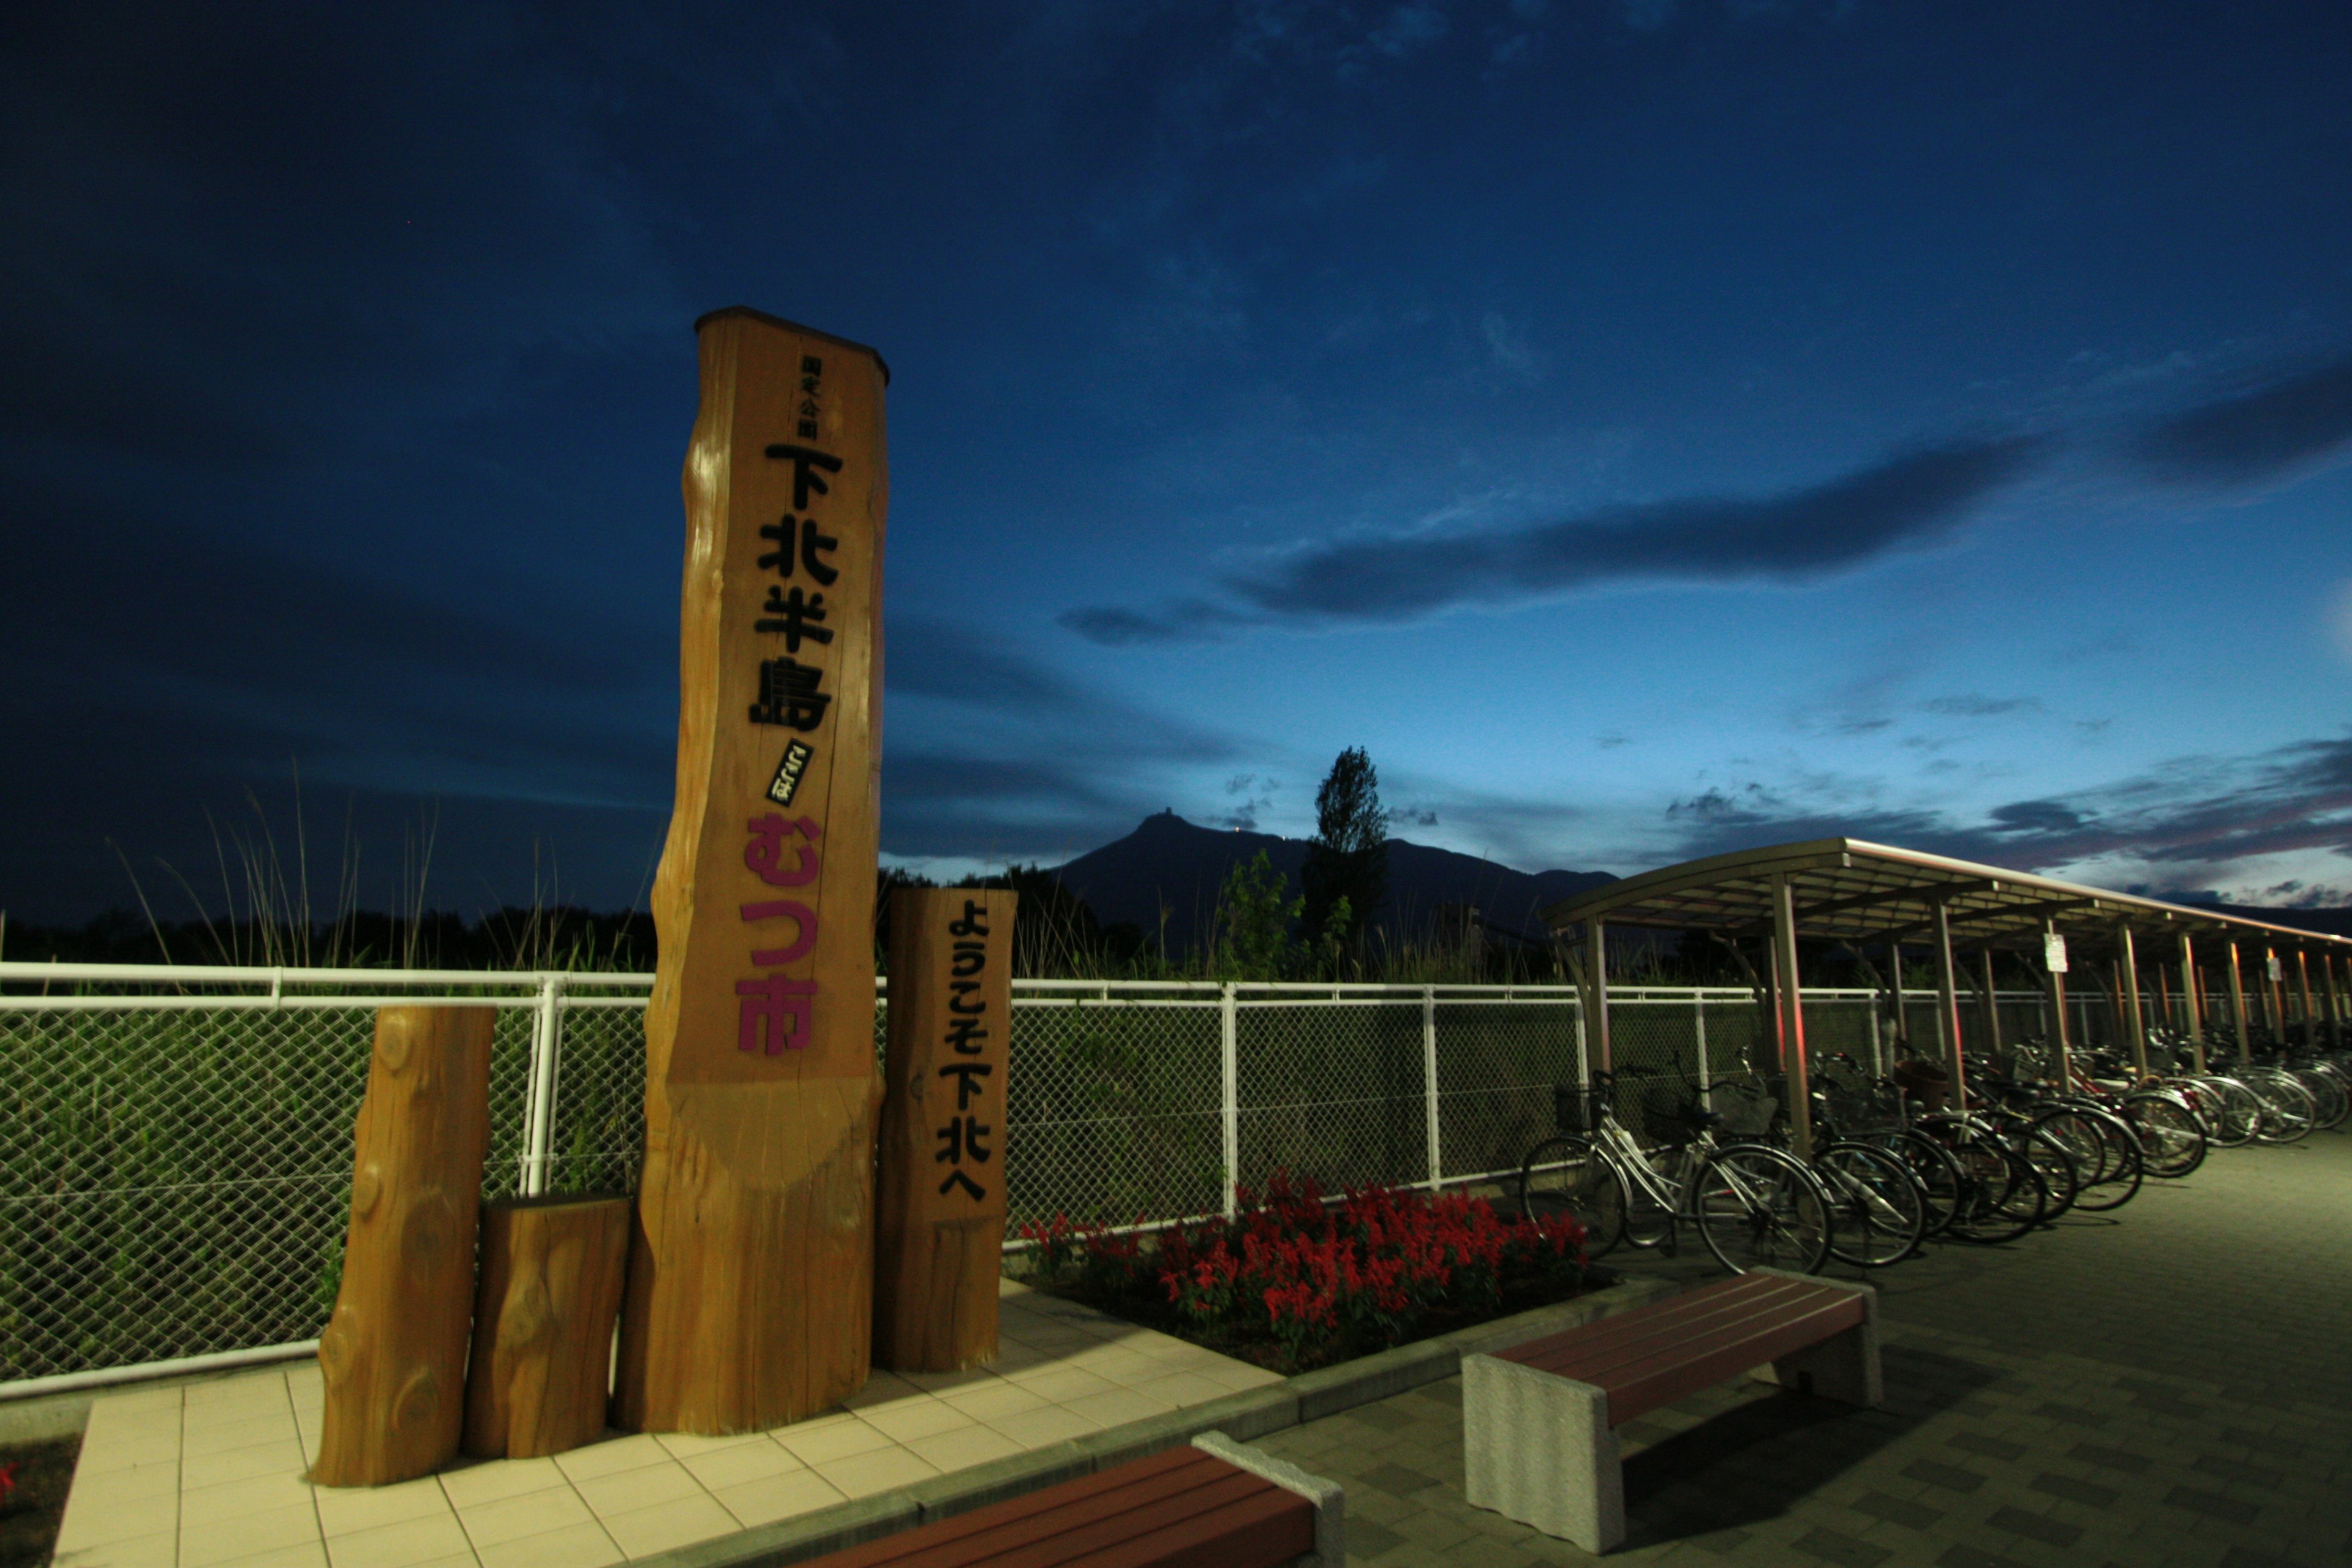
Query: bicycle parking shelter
x=1859 y=894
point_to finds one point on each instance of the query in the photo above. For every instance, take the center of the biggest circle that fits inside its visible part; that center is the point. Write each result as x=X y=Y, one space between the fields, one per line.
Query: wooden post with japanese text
x=940 y=1183
x=748 y=1304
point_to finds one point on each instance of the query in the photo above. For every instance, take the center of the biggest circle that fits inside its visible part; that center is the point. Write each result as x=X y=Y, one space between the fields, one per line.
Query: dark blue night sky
x=1647 y=427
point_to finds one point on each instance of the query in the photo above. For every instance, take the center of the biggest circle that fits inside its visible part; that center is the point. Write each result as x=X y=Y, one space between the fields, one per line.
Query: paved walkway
x=2171 y=1384
x=210 y=1473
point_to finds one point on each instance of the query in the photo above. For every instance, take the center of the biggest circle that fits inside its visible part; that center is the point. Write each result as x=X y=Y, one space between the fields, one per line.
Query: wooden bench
x=1216 y=1504
x=1537 y=1420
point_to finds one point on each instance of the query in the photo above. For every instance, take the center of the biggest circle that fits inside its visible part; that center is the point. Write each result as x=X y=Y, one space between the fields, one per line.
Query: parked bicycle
x=1754 y=1205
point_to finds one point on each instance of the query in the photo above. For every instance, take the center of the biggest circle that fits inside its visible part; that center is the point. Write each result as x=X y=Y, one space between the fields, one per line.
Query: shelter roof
x=1849 y=891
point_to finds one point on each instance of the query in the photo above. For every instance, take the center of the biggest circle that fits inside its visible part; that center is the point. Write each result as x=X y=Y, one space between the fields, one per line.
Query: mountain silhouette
x=1171 y=865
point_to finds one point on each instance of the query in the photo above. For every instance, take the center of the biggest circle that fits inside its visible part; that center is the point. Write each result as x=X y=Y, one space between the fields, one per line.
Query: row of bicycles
x=1891 y=1167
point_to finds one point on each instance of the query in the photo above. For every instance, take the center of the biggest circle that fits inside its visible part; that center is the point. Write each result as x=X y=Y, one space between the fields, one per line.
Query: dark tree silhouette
x=1349 y=855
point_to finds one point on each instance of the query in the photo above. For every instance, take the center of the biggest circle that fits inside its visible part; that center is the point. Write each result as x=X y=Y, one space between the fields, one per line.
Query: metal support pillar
x=1992 y=1010
x=2275 y=990
x=2135 y=1022
x=2238 y=1003
x=2302 y=977
x=1894 y=987
x=2058 y=1011
x=2192 y=1004
x=1948 y=1008
x=2334 y=1002
x=1789 y=1019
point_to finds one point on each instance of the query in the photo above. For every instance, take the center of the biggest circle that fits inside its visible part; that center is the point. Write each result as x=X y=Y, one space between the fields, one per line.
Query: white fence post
x=1229 y=1021
x=1699 y=1028
x=546 y=1038
x=1429 y=1078
x=1583 y=1064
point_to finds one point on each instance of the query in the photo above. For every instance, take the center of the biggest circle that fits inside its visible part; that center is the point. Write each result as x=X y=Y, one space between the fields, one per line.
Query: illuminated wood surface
x=542 y=1358
x=748 y=1301
x=940 y=1183
x=393 y=1353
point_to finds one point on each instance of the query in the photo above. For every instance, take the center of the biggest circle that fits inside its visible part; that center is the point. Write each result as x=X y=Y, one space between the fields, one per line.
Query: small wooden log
x=750 y=1293
x=393 y=1353
x=939 y=1187
x=551 y=1272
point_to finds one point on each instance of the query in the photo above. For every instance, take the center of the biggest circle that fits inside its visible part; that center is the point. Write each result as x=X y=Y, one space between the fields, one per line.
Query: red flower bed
x=1294 y=1281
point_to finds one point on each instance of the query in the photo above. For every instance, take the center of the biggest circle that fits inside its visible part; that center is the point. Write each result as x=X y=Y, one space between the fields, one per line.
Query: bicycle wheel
x=2120 y=1165
x=2081 y=1137
x=2327 y=1092
x=2001 y=1197
x=2171 y=1136
x=2288 y=1110
x=1878 y=1211
x=1567 y=1175
x=2062 y=1179
x=1758 y=1208
x=1937 y=1173
x=2232 y=1112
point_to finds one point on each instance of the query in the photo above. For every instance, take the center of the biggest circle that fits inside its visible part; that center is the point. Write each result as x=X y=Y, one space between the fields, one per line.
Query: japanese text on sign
x=962 y=1140
x=775 y=1008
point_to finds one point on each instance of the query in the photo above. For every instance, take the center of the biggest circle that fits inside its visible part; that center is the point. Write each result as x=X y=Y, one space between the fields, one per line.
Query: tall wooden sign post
x=747 y=1303
x=942 y=1174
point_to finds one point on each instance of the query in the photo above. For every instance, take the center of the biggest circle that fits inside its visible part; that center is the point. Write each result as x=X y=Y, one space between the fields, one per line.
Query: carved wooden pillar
x=393 y=1353
x=749 y=1301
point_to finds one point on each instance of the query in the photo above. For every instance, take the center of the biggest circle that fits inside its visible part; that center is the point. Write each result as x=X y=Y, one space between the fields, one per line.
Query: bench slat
x=1660 y=1323
x=1117 y=1516
x=1608 y=1365
x=1661 y=1381
x=1720 y=1296
x=1268 y=1528
x=1656 y=1355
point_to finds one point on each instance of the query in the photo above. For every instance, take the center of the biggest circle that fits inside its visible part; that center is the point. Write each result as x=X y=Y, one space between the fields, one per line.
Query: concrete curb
x=1244 y=1417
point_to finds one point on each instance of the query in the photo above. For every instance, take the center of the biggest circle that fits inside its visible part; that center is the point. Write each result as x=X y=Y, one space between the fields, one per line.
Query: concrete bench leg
x=1539 y=1448
x=1843 y=1367
x=1330 y=1502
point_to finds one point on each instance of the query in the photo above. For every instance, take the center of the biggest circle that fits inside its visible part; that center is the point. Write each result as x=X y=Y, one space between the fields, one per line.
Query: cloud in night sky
x=1034 y=764
x=2258 y=433
x=1976 y=705
x=2197 y=812
x=1908 y=502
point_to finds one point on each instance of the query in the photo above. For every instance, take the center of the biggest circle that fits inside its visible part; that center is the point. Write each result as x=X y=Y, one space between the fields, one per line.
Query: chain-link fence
x=176 y=1144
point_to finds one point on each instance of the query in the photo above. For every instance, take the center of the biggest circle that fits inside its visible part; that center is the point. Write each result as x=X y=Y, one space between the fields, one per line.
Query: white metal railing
x=175 y=1140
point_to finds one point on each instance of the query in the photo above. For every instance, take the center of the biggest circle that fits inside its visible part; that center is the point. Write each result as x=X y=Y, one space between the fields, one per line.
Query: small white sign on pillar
x=2054 y=953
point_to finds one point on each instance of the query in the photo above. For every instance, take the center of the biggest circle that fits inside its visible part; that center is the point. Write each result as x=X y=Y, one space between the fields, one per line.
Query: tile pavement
x=210 y=1473
x=2170 y=1386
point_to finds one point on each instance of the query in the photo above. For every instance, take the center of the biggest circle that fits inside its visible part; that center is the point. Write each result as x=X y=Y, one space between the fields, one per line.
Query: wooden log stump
x=940 y=1183
x=393 y=1353
x=749 y=1300
x=542 y=1361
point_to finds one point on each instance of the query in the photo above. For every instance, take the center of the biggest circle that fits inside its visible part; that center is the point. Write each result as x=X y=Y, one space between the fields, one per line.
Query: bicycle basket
x=1747 y=1111
x=1572 y=1107
x=1672 y=1113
